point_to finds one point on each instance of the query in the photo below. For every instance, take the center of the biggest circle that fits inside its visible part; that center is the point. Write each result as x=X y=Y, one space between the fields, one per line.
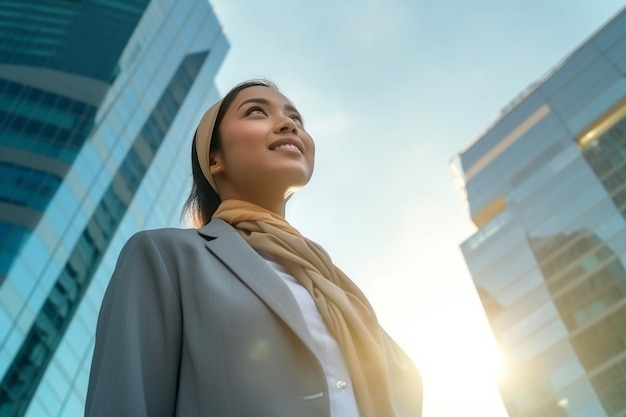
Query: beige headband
x=204 y=135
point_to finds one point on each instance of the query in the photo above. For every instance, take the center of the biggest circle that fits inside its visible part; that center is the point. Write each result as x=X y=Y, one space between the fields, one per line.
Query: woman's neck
x=275 y=205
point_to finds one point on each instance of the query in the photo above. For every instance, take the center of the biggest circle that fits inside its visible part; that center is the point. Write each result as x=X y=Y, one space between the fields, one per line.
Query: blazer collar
x=249 y=267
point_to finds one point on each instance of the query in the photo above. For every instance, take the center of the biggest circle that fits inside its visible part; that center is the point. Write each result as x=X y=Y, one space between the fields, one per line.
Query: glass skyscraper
x=99 y=100
x=546 y=187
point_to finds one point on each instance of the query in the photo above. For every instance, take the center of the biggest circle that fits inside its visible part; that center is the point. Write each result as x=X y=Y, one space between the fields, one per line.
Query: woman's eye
x=297 y=118
x=255 y=110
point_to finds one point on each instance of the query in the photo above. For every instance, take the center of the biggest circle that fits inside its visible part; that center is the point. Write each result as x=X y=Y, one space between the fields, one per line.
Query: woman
x=243 y=316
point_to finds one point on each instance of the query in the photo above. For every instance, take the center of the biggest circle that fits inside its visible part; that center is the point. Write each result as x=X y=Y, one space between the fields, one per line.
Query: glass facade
x=57 y=60
x=546 y=187
x=94 y=135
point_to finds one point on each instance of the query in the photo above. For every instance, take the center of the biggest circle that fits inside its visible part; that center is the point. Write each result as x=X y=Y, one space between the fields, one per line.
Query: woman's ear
x=215 y=163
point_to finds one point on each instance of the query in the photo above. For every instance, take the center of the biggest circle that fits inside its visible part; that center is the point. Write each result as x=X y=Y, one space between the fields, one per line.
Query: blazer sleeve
x=135 y=365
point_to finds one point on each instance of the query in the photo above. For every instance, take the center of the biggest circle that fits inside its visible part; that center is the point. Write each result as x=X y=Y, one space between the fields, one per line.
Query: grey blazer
x=194 y=323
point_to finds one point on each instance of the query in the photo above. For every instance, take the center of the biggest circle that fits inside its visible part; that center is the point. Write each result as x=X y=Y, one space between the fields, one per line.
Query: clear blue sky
x=391 y=91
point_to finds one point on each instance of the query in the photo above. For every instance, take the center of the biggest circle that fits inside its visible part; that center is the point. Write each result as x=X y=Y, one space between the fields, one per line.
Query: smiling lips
x=288 y=145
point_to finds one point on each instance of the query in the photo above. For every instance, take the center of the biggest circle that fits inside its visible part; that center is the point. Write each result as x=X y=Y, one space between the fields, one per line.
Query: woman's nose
x=287 y=124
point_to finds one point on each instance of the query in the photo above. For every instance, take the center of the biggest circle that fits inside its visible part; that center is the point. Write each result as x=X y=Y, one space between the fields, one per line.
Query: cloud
x=330 y=124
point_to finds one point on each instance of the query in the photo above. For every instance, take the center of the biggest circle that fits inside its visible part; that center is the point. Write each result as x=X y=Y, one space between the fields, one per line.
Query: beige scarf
x=369 y=352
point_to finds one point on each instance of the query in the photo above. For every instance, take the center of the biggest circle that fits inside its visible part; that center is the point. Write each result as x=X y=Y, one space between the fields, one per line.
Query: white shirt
x=342 y=399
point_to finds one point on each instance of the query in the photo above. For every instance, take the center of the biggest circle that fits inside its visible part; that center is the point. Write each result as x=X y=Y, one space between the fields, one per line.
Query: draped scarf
x=370 y=354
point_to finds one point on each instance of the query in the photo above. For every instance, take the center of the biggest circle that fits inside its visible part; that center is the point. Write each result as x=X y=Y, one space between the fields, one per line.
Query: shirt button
x=341 y=384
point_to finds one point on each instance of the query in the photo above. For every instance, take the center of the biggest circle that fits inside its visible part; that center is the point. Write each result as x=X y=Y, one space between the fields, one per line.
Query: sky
x=391 y=91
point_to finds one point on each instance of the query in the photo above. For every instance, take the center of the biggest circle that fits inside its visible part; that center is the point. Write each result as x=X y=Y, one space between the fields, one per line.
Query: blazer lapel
x=249 y=267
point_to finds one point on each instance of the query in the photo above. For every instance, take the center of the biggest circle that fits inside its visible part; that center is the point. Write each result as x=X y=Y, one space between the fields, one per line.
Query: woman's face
x=263 y=145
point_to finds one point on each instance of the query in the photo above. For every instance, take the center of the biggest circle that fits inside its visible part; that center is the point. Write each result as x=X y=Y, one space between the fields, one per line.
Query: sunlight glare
x=455 y=352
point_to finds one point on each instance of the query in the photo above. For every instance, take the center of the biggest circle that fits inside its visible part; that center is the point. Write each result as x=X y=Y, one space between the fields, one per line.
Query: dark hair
x=203 y=200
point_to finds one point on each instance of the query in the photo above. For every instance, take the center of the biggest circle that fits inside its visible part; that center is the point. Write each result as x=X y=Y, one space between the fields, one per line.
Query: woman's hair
x=203 y=200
